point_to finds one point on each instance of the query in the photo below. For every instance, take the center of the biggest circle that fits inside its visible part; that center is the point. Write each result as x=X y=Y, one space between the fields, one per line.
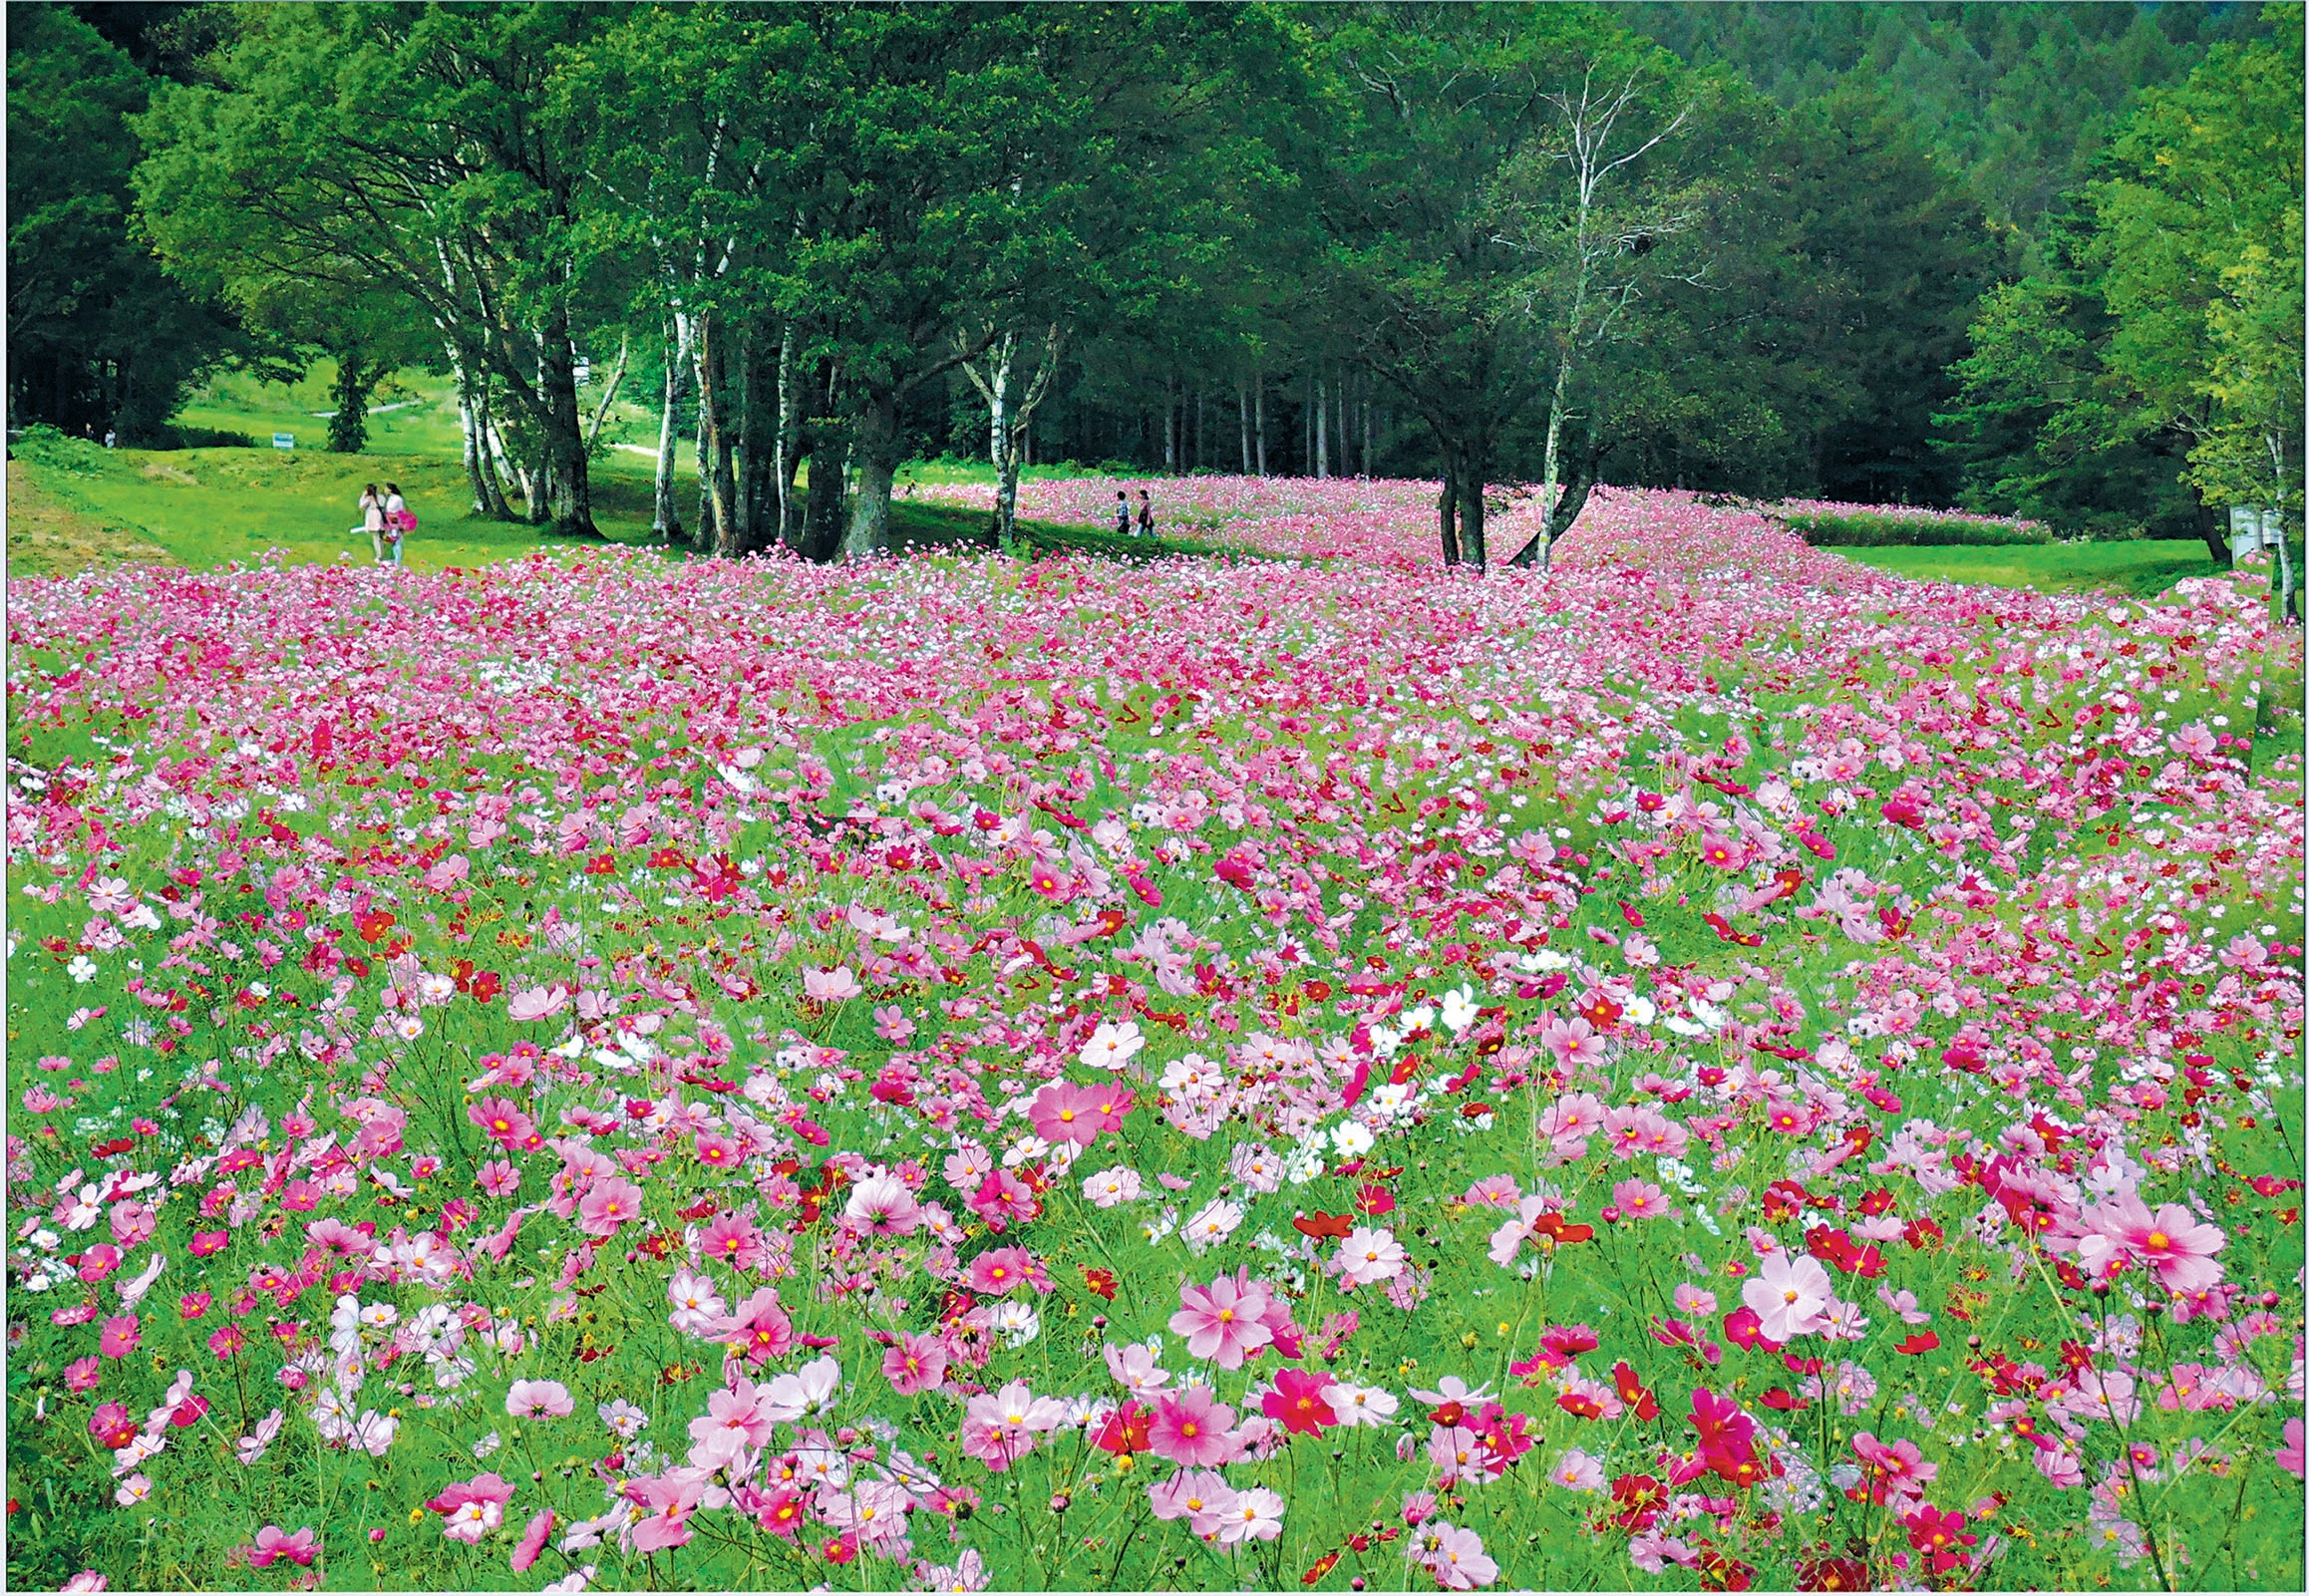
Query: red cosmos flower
x=374 y=925
x=1554 y=1229
x=1373 y=1199
x=1633 y=1392
x=1323 y=1227
x=1321 y=1566
x=1297 y=1402
x=1101 y=1281
x=1921 y=1341
x=1834 y=1573
x=1125 y=1430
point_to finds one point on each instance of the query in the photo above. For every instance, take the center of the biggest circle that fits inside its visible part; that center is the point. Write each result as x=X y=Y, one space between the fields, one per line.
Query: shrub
x=1886 y=530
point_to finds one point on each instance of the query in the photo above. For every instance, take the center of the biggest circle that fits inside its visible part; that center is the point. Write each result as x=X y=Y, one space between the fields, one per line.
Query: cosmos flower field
x=1717 y=1069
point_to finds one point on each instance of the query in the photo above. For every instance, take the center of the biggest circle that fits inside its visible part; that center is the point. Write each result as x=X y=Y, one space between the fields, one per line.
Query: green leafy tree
x=97 y=335
x=404 y=149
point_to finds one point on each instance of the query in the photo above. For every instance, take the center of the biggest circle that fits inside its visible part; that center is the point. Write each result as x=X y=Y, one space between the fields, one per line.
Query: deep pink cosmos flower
x=1297 y=1402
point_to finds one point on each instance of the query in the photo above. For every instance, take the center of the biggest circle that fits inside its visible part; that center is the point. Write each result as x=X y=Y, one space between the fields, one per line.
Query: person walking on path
x=399 y=523
x=1145 y=514
x=1122 y=514
x=373 y=520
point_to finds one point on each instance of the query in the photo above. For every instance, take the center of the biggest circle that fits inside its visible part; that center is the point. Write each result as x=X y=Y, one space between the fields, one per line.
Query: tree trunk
x=349 y=426
x=1259 y=419
x=757 y=462
x=1447 y=506
x=2208 y=528
x=1563 y=515
x=1322 y=432
x=564 y=442
x=879 y=441
x=789 y=426
x=720 y=532
x=665 y=516
x=1367 y=433
x=821 y=515
x=1242 y=411
x=1470 y=482
x=1170 y=425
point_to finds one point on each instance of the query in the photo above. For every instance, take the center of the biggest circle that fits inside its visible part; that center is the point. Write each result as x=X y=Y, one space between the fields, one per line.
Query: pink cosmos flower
x=533 y=1541
x=733 y=1421
x=2290 y=1456
x=83 y=1374
x=757 y=1329
x=120 y=1335
x=1640 y=1199
x=1574 y=1044
x=670 y=1497
x=1062 y=1111
x=831 y=986
x=1455 y=1557
x=2173 y=1243
x=1002 y=1271
x=300 y=1548
x=732 y=1239
x=606 y=1205
x=916 y=1363
x=1222 y=1323
x=999 y=1428
x=1193 y=1427
x=498 y=1178
x=471 y=1508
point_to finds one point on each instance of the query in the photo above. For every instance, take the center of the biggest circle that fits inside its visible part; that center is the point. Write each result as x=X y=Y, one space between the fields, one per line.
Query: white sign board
x=2252 y=529
x=284 y=440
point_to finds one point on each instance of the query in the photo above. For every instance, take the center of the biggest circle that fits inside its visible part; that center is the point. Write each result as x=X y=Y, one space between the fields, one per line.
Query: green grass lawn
x=77 y=506
x=2142 y=570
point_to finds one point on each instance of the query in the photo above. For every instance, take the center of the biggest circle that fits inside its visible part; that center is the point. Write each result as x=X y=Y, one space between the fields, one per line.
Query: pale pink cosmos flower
x=1200 y=1495
x=1368 y=1256
x=539 y=1398
x=471 y=1508
x=1254 y=1515
x=882 y=1205
x=1790 y=1294
x=1109 y=1187
x=836 y=985
x=1221 y=1322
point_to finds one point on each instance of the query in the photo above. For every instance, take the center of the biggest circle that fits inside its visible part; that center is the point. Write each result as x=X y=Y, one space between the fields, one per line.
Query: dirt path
x=49 y=538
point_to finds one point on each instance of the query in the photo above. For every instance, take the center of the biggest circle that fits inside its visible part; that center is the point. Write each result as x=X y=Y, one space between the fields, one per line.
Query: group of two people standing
x=1122 y=514
x=388 y=520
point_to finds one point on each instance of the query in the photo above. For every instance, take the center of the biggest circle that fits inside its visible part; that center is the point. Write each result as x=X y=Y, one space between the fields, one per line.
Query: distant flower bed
x=1826 y=525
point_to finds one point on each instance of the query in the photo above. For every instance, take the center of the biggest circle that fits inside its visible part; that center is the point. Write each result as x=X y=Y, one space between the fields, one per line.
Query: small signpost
x=284 y=440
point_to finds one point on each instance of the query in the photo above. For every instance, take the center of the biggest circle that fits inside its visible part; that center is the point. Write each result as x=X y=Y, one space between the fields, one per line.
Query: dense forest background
x=2034 y=258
